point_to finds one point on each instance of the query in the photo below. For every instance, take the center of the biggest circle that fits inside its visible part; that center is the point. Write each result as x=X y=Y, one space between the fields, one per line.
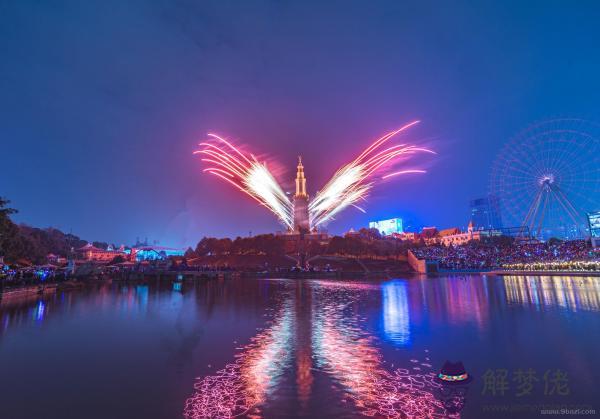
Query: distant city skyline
x=104 y=102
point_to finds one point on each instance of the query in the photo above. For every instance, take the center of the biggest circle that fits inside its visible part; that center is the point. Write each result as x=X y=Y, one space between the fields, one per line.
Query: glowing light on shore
x=352 y=182
x=248 y=175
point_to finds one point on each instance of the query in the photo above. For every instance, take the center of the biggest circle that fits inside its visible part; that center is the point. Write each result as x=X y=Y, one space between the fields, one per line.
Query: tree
x=34 y=244
x=117 y=259
x=9 y=232
x=336 y=245
x=315 y=248
x=369 y=234
x=189 y=253
x=4 y=211
x=206 y=246
x=223 y=246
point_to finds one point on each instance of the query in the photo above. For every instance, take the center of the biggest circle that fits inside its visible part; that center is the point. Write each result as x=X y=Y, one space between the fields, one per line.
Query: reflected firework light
x=244 y=384
x=350 y=355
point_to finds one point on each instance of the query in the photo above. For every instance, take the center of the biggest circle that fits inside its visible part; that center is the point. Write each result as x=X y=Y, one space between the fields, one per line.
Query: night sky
x=103 y=102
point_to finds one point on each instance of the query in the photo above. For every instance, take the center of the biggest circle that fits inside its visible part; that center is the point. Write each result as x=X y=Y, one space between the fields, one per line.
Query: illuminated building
x=450 y=236
x=55 y=259
x=155 y=252
x=388 y=227
x=89 y=252
x=485 y=213
x=454 y=237
x=301 y=221
x=406 y=236
x=297 y=238
x=594 y=223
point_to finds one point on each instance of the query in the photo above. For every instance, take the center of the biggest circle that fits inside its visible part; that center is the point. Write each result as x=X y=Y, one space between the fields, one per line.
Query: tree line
x=34 y=244
x=31 y=243
x=364 y=243
x=262 y=244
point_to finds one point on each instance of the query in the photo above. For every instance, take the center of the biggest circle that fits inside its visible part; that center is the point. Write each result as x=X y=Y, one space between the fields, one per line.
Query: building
x=301 y=220
x=454 y=237
x=485 y=213
x=407 y=236
x=388 y=227
x=155 y=253
x=594 y=224
x=429 y=235
x=450 y=236
x=89 y=252
x=56 y=259
x=352 y=233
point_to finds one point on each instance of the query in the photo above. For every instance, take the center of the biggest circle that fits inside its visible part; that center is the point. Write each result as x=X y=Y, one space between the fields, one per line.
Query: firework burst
x=352 y=182
x=349 y=185
x=248 y=175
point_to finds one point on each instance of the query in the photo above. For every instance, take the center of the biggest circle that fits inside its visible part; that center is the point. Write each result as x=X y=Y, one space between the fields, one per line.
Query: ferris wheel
x=548 y=177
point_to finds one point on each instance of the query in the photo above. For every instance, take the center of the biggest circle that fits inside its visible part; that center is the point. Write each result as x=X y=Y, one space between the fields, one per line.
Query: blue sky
x=103 y=102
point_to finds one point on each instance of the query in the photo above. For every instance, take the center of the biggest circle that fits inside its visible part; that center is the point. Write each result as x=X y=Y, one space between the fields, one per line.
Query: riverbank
x=501 y=272
x=544 y=273
x=24 y=291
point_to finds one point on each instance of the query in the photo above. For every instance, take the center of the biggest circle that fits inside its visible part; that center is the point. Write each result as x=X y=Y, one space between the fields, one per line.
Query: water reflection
x=322 y=348
x=247 y=382
x=39 y=311
x=319 y=322
x=128 y=300
x=303 y=304
x=350 y=354
x=396 y=320
x=465 y=300
x=571 y=293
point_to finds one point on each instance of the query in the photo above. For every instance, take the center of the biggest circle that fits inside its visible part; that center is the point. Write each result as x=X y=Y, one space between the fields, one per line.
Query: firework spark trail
x=248 y=175
x=348 y=186
x=352 y=183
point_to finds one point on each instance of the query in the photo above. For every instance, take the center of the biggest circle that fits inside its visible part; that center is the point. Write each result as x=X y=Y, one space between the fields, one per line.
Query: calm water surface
x=302 y=348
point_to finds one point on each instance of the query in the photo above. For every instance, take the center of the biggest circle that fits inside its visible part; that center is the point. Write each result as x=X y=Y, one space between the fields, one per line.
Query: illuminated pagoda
x=301 y=220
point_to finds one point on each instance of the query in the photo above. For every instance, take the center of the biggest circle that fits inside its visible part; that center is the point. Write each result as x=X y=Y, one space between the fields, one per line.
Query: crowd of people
x=477 y=255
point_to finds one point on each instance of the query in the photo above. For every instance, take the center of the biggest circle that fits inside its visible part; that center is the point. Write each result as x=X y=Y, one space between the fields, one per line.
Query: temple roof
x=449 y=231
x=90 y=248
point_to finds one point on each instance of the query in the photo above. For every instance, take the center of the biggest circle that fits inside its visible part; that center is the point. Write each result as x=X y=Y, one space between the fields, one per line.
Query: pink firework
x=350 y=184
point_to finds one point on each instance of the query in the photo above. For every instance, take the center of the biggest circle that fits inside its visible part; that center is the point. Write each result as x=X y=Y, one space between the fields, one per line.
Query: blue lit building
x=594 y=223
x=155 y=252
x=485 y=213
x=388 y=227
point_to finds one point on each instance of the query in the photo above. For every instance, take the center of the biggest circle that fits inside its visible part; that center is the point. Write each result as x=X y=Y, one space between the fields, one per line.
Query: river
x=303 y=348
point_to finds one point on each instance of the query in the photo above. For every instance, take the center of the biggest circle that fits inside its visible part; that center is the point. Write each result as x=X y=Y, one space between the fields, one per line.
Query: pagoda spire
x=300 y=180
